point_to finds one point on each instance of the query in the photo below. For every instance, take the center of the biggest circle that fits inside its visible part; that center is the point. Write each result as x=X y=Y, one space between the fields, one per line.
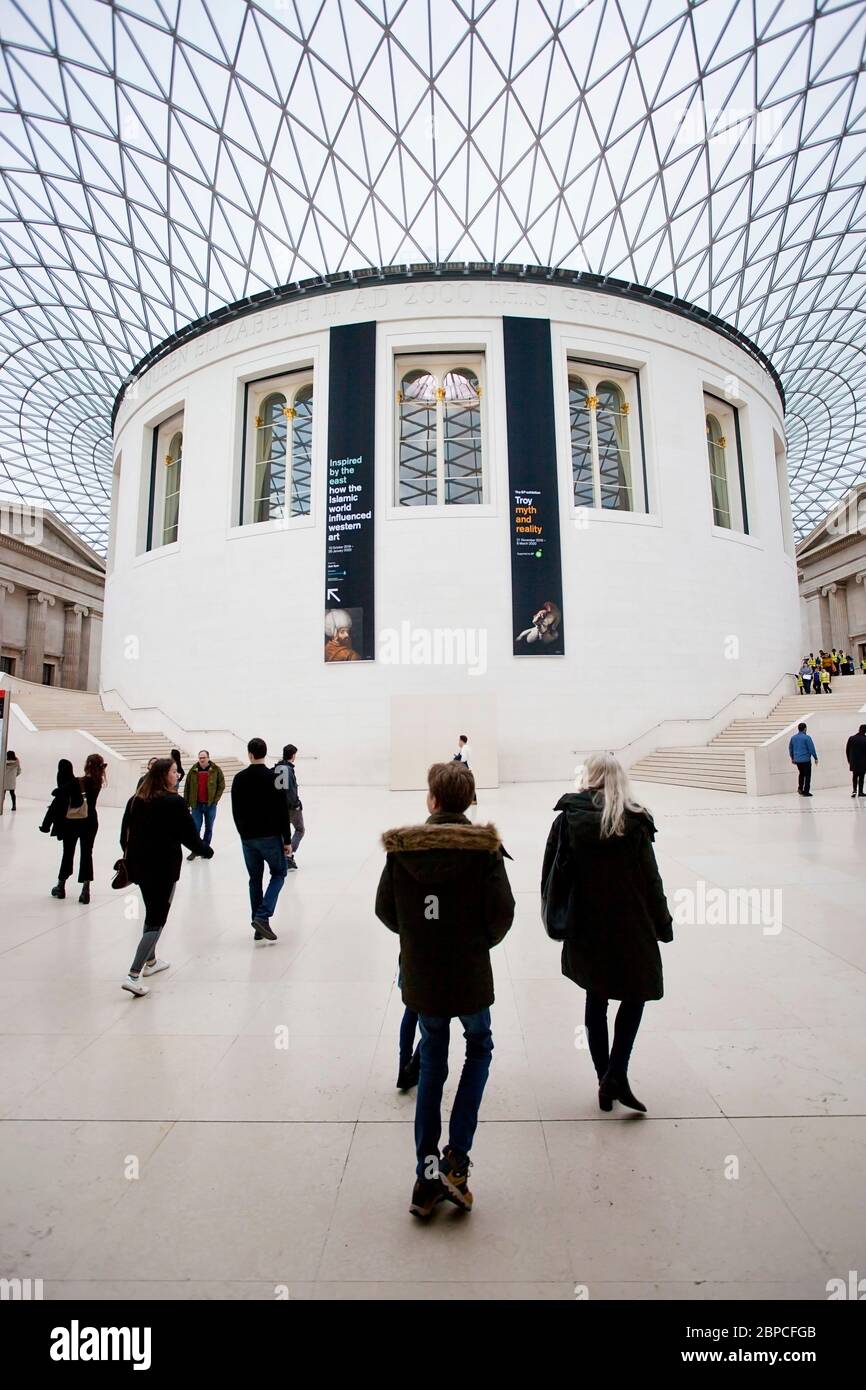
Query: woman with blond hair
x=600 y=848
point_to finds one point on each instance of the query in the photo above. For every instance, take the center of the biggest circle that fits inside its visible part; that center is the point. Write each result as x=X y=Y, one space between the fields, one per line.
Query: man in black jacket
x=855 y=753
x=444 y=889
x=261 y=815
x=287 y=782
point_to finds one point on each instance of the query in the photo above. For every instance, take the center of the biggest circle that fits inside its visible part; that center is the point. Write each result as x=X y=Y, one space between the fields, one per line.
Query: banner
x=349 y=618
x=536 y=562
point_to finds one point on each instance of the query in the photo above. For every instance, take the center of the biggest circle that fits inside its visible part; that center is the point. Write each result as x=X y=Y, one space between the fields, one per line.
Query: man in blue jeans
x=261 y=815
x=801 y=751
x=445 y=891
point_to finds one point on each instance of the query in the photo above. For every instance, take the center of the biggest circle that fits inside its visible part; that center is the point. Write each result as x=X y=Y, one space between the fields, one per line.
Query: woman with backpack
x=600 y=871
x=11 y=773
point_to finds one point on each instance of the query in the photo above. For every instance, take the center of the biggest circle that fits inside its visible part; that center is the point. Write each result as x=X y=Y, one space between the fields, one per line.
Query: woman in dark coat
x=67 y=795
x=156 y=824
x=616 y=917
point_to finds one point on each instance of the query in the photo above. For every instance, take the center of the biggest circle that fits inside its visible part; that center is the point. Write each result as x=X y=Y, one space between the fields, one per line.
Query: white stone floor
x=263 y=1168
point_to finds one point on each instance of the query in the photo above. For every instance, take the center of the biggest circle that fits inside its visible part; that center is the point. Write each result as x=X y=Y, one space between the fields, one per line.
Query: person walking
x=805 y=678
x=95 y=771
x=801 y=751
x=67 y=796
x=150 y=763
x=445 y=892
x=72 y=817
x=826 y=687
x=464 y=756
x=11 y=773
x=156 y=824
x=816 y=679
x=261 y=815
x=287 y=782
x=602 y=843
x=855 y=754
x=175 y=755
x=205 y=785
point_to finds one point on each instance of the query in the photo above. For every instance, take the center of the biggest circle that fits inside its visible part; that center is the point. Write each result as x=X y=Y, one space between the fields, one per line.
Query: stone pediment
x=844 y=521
x=47 y=533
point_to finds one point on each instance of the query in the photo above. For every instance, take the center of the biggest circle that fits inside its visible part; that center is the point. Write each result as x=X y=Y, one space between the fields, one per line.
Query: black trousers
x=84 y=835
x=606 y=1059
x=804 y=777
x=157 y=891
x=857 y=781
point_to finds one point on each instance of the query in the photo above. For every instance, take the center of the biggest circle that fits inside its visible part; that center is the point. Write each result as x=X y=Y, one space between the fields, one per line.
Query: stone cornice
x=814 y=588
x=804 y=557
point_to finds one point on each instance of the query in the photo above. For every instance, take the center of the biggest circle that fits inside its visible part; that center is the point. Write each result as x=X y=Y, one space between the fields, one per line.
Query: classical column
x=72 y=643
x=34 y=643
x=84 y=658
x=839 y=635
x=6 y=587
x=813 y=621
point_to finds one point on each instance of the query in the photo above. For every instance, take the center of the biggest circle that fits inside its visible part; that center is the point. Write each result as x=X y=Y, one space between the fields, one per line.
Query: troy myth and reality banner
x=536 y=564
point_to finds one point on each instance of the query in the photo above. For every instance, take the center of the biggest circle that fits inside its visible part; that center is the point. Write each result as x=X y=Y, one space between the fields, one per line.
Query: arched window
x=581 y=442
x=614 y=458
x=302 y=450
x=159 y=516
x=171 y=494
x=270 y=480
x=716 y=449
x=278 y=485
x=439 y=440
x=602 y=464
x=462 y=417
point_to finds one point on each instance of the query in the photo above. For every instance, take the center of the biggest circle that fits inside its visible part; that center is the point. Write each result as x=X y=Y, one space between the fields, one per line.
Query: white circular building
x=369 y=513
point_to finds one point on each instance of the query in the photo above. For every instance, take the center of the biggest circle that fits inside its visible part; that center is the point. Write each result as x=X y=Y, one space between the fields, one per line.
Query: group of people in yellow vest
x=816 y=672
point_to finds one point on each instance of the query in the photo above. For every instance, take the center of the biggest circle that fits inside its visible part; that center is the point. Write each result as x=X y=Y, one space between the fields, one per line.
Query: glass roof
x=161 y=158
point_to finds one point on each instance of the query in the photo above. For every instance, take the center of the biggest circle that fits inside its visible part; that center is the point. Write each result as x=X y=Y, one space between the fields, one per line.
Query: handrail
x=161 y=712
x=700 y=719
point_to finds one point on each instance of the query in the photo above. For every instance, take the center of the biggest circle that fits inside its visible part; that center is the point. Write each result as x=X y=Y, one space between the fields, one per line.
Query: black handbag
x=121 y=875
x=557 y=887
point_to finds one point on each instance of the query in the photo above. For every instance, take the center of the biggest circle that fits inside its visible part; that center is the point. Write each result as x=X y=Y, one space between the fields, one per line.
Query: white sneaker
x=156 y=967
x=134 y=986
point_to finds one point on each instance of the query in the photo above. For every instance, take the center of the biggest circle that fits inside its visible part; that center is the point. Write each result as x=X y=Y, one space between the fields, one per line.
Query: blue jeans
x=435 y=1034
x=204 y=813
x=408 y=1024
x=257 y=853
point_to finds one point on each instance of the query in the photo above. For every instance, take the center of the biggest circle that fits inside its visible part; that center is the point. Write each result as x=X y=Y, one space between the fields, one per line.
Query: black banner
x=536 y=563
x=350 y=633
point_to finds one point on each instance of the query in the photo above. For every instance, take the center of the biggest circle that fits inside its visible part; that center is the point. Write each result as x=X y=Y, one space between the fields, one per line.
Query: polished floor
x=237 y=1134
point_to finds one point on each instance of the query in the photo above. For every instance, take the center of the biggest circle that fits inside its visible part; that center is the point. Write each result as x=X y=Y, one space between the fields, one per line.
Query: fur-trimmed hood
x=437 y=851
x=442 y=835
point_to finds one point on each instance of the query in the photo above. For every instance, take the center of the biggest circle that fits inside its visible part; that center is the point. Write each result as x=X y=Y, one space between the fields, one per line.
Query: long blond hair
x=607 y=781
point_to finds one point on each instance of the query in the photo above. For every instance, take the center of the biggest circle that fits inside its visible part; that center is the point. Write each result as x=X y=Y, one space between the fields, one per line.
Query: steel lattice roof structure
x=162 y=158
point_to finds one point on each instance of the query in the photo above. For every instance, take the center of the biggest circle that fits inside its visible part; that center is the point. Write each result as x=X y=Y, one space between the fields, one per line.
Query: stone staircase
x=720 y=765
x=57 y=708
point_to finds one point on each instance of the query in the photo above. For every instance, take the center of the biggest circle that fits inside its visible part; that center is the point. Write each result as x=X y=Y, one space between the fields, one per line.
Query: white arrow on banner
x=332 y=593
